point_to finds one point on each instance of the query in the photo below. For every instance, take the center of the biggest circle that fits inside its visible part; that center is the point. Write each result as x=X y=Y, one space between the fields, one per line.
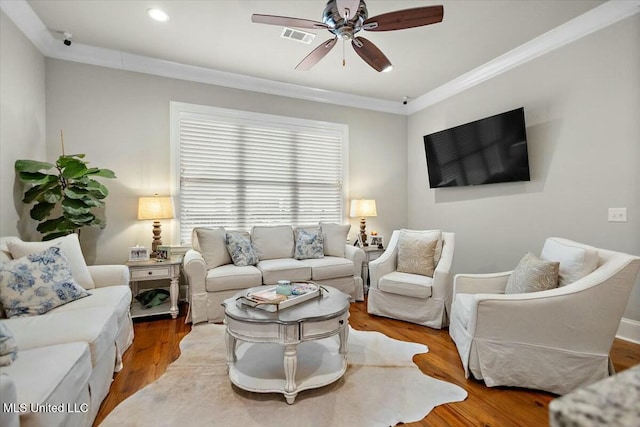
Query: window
x=239 y=169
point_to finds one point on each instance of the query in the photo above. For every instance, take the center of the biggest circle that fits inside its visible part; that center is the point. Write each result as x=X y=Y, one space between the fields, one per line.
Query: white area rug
x=382 y=387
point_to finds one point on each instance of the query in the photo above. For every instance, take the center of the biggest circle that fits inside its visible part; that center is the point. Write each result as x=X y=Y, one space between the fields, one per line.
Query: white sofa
x=213 y=277
x=67 y=356
x=554 y=340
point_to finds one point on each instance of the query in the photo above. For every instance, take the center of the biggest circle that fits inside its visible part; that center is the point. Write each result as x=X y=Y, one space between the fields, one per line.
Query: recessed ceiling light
x=158 y=15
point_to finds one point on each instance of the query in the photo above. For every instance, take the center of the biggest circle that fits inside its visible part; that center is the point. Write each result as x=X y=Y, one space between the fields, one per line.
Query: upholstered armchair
x=400 y=286
x=554 y=340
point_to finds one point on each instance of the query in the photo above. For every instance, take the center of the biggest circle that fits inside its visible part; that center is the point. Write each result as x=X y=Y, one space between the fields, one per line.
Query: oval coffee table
x=286 y=351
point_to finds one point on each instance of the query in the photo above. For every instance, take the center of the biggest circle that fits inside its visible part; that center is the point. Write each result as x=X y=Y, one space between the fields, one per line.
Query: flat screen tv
x=487 y=151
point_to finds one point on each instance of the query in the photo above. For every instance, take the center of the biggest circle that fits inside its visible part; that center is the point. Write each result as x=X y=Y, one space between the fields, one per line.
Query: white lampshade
x=156 y=207
x=363 y=208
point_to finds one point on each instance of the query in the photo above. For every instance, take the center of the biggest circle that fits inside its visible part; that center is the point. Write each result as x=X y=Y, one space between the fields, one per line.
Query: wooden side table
x=140 y=271
x=370 y=253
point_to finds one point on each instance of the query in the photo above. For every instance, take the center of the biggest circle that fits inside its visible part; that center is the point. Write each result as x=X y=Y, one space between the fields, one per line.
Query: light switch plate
x=617 y=214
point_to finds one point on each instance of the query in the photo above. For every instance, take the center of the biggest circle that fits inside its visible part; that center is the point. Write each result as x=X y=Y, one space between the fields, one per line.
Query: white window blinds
x=240 y=169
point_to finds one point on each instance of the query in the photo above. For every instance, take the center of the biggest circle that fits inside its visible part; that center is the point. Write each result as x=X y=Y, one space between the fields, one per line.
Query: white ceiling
x=219 y=35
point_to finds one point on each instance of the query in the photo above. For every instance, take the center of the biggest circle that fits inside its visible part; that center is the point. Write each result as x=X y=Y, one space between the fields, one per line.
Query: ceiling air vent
x=297 y=35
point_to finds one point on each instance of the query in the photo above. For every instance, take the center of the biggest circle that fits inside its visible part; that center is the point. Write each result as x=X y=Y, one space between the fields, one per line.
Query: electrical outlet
x=617 y=214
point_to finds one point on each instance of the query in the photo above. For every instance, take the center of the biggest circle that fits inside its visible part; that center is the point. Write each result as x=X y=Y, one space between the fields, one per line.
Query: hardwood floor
x=156 y=345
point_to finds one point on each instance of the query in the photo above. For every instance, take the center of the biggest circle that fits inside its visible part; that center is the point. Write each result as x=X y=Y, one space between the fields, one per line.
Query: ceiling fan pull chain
x=344 y=62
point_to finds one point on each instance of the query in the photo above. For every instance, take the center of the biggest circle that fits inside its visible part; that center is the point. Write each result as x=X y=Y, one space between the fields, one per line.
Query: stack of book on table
x=268 y=299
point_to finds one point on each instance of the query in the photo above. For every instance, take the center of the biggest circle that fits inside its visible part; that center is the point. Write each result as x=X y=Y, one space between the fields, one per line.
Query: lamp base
x=157 y=238
x=363 y=233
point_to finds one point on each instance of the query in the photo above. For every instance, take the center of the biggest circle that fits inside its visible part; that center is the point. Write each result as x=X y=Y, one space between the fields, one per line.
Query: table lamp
x=363 y=208
x=155 y=208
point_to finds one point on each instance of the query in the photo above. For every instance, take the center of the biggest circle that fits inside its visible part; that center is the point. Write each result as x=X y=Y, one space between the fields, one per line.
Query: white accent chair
x=412 y=297
x=554 y=340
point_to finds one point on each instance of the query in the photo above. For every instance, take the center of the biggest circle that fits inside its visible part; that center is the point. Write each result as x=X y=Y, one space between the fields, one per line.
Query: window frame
x=178 y=109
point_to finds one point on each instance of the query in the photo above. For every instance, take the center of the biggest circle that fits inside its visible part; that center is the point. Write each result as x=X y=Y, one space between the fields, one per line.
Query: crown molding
x=597 y=18
x=30 y=24
x=109 y=58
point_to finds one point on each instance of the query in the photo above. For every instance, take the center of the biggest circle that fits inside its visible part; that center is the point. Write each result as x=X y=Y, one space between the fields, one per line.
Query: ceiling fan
x=345 y=18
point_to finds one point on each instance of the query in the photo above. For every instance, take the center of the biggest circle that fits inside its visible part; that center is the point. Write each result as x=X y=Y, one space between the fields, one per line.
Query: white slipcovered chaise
x=66 y=357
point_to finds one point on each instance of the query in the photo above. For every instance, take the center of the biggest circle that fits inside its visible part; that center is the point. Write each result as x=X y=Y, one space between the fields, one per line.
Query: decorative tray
x=267 y=298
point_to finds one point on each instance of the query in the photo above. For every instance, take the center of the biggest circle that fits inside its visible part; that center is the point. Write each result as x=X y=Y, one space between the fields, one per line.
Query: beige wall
x=582 y=108
x=22 y=121
x=120 y=119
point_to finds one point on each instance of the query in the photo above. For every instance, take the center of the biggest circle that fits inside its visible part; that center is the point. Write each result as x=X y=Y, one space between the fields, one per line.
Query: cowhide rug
x=382 y=387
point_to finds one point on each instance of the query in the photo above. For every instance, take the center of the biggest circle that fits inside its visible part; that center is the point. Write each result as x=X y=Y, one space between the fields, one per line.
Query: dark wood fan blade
x=407 y=18
x=287 y=22
x=371 y=54
x=316 y=55
x=348 y=7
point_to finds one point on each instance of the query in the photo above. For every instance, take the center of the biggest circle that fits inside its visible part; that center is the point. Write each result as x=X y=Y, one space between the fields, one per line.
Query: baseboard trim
x=629 y=330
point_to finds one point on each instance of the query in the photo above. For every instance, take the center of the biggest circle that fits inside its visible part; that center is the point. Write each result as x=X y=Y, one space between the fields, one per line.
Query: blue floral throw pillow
x=240 y=249
x=8 y=347
x=309 y=244
x=37 y=283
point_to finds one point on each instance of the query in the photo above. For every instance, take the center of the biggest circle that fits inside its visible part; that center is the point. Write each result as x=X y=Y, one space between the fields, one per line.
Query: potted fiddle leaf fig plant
x=67 y=189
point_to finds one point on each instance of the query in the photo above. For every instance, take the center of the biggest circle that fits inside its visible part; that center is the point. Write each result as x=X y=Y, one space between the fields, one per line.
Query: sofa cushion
x=410 y=285
x=116 y=297
x=273 y=242
x=96 y=326
x=70 y=246
x=576 y=260
x=52 y=375
x=212 y=244
x=532 y=275
x=329 y=267
x=308 y=244
x=283 y=269
x=416 y=253
x=8 y=347
x=37 y=283
x=334 y=238
x=231 y=276
x=240 y=249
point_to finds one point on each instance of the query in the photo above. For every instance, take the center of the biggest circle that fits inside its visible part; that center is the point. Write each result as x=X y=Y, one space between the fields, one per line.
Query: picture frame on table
x=139 y=253
x=163 y=253
x=358 y=241
x=378 y=241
